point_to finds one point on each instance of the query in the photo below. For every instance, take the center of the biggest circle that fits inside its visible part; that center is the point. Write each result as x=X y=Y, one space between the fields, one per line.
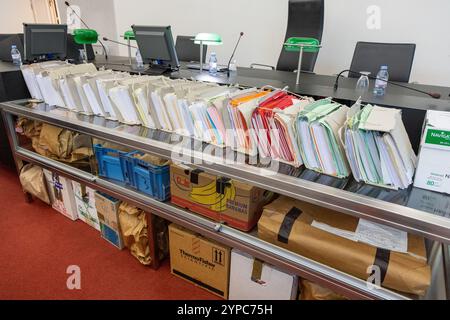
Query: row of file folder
x=378 y=146
x=325 y=136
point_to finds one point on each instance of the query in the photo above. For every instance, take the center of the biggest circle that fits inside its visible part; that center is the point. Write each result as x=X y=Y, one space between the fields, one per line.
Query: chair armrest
x=253 y=65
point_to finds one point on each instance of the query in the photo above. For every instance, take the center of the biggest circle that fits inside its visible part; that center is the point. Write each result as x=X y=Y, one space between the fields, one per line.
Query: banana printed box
x=221 y=199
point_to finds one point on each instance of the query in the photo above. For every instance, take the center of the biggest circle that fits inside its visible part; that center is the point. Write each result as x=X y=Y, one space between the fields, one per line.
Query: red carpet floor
x=38 y=244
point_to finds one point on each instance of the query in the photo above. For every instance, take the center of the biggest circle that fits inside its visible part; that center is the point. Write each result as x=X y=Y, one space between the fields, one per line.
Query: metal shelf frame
x=361 y=206
x=411 y=220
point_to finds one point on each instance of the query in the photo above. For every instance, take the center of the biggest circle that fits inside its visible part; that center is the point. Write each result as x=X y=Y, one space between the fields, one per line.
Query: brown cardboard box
x=221 y=199
x=107 y=210
x=287 y=222
x=199 y=260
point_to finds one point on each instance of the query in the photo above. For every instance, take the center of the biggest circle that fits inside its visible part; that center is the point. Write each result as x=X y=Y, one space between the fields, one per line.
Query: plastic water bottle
x=213 y=64
x=381 y=81
x=139 y=61
x=15 y=55
x=233 y=65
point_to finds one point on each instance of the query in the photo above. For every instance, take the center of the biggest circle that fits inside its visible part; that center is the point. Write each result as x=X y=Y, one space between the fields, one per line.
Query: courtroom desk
x=12 y=87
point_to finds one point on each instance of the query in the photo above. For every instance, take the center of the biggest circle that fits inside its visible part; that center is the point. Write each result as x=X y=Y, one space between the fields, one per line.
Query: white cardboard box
x=61 y=194
x=85 y=204
x=433 y=169
x=272 y=284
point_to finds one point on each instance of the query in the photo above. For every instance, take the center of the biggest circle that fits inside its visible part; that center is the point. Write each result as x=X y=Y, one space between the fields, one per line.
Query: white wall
x=13 y=14
x=98 y=14
x=425 y=23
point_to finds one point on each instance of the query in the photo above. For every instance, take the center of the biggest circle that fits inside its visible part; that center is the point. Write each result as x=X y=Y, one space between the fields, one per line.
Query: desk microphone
x=85 y=24
x=431 y=94
x=232 y=55
x=121 y=43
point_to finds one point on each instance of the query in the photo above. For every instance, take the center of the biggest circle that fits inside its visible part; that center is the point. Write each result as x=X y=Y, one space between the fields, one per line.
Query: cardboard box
x=112 y=236
x=61 y=194
x=108 y=216
x=221 y=199
x=252 y=279
x=198 y=260
x=107 y=210
x=433 y=169
x=85 y=204
x=332 y=238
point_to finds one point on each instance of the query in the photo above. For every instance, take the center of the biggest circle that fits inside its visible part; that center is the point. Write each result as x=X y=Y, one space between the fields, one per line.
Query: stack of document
x=30 y=72
x=378 y=147
x=240 y=109
x=317 y=136
x=283 y=133
x=206 y=110
x=103 y=85
x=263 y=121
x=48 y=81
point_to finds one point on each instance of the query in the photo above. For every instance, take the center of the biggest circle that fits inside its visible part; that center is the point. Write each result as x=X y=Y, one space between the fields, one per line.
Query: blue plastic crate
x=111 y=163
x=147 y=178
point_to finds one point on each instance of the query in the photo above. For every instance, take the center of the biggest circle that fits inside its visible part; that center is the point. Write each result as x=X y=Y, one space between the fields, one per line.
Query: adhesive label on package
x=336 y=231
x=382 y=236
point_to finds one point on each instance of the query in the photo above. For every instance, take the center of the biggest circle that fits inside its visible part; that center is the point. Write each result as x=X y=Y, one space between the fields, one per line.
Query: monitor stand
x=156 y=70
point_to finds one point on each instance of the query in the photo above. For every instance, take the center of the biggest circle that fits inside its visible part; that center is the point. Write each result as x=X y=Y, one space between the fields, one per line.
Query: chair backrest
x=370 y=56
x=6 y=41
x=305 y=19
x=73 y=49
x=187 y=50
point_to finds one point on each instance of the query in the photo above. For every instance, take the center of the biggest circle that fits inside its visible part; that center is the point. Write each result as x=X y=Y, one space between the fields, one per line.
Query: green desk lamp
x=85 y=37
x=129 y=35
x=299 y=44
x=209 y=39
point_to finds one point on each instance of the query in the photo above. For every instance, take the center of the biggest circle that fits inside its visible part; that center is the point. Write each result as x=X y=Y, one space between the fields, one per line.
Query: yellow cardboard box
x=221 y=199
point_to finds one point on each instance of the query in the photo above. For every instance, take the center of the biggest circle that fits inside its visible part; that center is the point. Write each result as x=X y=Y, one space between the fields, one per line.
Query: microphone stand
x=336 y=84
x=232 y=55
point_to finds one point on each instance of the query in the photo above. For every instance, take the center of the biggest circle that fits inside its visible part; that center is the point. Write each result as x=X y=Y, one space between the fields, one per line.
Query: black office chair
x=369 y=56
x=305 y=19
x=187 y=50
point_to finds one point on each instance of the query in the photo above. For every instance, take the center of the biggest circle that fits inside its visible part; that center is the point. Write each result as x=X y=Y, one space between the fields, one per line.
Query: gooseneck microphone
x=85 y=24
x=431 y=94
x=232 y=55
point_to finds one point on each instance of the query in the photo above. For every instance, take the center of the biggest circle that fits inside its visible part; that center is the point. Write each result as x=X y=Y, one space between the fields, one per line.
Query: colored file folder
x=378 y=147
x=321 y=149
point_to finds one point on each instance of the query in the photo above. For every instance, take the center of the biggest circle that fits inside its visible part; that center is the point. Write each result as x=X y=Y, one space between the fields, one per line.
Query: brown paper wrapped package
x=406 y=272
x=33 y=181
x=133 y=224
x=57 y=143
x=312 y=291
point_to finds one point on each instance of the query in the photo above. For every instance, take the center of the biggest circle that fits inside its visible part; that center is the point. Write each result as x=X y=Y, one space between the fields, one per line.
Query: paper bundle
x=317 y=137
x=378 y=147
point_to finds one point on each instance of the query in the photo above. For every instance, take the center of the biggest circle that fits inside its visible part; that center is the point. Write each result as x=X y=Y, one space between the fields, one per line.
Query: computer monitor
x=188 y=50
x=45 y=41
x=156 y=46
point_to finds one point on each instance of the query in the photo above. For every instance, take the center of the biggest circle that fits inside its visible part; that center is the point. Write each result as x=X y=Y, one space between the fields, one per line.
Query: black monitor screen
x=45 y=39
x=156 y=43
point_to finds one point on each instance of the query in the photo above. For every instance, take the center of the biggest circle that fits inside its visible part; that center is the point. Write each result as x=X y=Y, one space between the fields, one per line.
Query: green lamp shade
x=85 y=36
x=129 y=35
x=210 y=39
x=308 y=44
